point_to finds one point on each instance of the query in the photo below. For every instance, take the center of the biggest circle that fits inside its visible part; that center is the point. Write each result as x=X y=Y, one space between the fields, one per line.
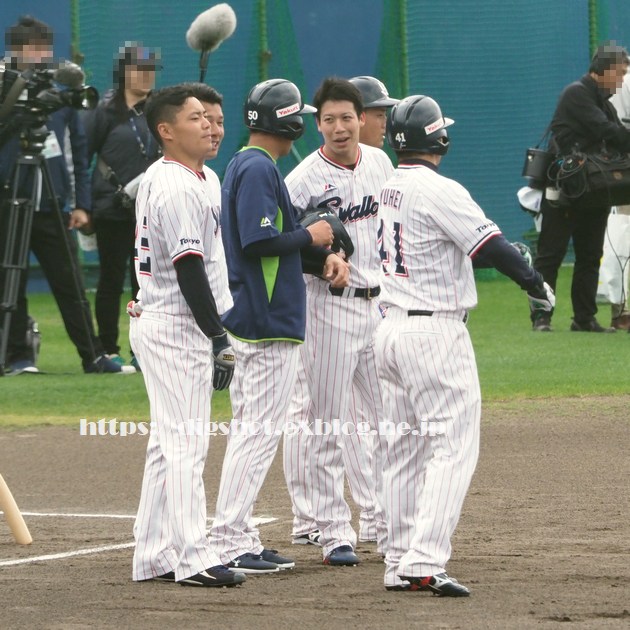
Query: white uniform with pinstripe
x=257 y=398
x=357 y=452
x=175 y=218
x=338 y=352
x=431 y=228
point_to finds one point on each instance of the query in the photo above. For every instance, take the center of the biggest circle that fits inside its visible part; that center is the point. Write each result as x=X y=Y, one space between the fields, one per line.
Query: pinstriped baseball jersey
x=341 y=327
x=176 y=218
x=352 y=194
x=426 y=363
x=217 y=254
x=418 y=205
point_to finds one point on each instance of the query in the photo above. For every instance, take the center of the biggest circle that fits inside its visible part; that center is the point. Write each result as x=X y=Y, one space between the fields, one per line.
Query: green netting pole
x=75 y=53
x=265 y=53
x=593 y=26
x=404 y=52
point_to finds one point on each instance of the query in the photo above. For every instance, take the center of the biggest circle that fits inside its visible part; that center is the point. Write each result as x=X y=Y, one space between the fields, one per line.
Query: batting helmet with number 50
x=341 y=239
x=275 y=106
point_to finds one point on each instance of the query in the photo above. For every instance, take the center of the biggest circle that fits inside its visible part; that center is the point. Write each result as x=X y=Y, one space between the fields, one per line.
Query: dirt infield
x=544 y=537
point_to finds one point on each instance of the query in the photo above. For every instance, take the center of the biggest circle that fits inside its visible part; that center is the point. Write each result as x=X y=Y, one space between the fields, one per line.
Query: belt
x=430 y=314
x=367 y=294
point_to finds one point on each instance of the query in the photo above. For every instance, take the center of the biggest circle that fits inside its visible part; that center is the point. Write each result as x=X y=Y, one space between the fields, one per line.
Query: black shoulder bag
x=537 y=162
x=592 y=179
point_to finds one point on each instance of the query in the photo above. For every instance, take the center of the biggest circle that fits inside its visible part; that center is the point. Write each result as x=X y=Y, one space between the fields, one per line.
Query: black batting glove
x=224 y=362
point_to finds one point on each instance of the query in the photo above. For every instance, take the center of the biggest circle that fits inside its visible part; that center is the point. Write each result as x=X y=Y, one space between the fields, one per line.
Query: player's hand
x=337 y=271
x=542 y=298
x=321 y=233
x=134 y=309
x=224 y=362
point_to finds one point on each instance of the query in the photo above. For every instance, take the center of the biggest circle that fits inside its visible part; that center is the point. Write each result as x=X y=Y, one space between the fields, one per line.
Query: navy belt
x=429 y=314
x=367 y=294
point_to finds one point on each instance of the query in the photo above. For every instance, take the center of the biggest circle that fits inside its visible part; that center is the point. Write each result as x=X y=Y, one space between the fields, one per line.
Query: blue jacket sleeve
x=78 y=142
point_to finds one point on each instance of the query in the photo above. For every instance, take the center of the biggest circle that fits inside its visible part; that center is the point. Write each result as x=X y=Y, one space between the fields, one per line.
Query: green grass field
x=514 y=363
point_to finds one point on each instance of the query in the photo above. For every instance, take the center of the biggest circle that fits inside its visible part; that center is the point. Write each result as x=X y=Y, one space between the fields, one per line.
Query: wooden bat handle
x=13 y=516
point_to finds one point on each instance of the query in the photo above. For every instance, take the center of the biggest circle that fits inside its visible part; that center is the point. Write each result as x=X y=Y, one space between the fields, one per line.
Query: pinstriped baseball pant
x=261 y=391
x=170 y=528
x=429 y=376
x=338 y=356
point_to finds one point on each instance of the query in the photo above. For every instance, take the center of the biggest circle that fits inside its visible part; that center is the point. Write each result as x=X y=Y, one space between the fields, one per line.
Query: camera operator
x=118 y=134
x=584 y=118
x=29 y=46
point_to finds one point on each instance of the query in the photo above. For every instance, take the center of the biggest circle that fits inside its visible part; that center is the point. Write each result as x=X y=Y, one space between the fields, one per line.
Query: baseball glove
x=342 y=241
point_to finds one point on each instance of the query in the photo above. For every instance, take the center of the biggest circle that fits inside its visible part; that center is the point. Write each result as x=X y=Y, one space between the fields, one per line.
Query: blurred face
x=214 y=115
x=612 y=78
x=373 y=132
x=340 y=125
x=32 y=55
x=187 y=138
x=139 y=79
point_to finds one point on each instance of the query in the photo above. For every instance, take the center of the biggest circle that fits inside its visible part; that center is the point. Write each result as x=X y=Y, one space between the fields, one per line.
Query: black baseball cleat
x=214 y=576
x=441 y=585
x=272 y=555
x=342 y=556
x=169 y=576
x=253 y=563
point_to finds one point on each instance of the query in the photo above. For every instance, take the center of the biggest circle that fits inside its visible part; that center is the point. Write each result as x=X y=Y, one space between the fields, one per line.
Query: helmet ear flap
x=444 y=142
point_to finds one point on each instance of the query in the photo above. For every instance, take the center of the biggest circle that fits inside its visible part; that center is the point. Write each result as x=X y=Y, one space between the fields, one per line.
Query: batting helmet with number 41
x=416 y=124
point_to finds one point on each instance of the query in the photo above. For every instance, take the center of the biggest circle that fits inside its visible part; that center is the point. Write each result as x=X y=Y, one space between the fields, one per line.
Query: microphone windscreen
x=211 y=27
x=70 y=75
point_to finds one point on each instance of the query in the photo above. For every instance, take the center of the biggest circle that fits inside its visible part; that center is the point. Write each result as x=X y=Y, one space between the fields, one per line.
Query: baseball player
x=376 y=102
x=432 y=229
x=175 y=338
x=262 y=241
x=345 y=177
x=361 y=468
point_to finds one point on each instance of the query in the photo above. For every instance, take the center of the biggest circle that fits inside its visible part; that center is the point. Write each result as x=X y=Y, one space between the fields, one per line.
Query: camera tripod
x=16 y=221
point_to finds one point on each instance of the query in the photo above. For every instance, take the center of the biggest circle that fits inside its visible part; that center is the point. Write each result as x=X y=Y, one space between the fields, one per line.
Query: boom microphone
x=208 y=30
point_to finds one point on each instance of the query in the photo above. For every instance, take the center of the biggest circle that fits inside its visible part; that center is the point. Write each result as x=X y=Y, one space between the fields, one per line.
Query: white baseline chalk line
x=123 y=516
x=260 y=520
x=67 y=554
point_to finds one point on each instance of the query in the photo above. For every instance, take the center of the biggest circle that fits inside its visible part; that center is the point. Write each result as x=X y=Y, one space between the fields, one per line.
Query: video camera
x=28 y=97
